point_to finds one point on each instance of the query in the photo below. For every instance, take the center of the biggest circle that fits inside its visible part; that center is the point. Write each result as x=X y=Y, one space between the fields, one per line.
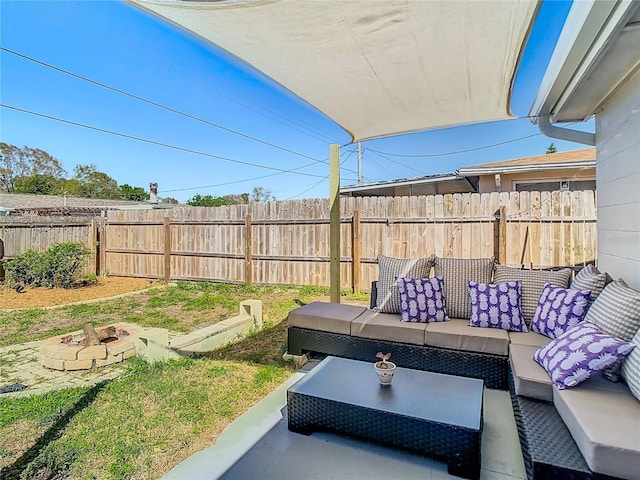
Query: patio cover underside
x=377 y=68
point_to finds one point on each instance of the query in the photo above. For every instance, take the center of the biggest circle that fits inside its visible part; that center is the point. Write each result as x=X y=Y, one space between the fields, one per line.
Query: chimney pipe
x=153 y=192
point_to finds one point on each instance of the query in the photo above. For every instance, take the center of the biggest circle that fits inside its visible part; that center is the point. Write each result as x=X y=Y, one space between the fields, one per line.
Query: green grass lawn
x=145 y=422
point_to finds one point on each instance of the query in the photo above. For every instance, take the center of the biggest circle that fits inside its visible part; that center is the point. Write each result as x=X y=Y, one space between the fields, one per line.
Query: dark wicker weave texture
x=459 y=446
x=490 y=368
x=549 y=451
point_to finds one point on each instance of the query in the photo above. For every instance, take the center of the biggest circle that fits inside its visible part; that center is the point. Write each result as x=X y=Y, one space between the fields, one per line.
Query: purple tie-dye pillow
x=579 y=353
x=496 y=306
x=421 y=300
x=559 y=309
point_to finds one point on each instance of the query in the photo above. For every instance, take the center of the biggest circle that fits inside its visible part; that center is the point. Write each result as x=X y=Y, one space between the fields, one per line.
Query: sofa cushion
x=387 y=326
x=532 y=339
x=604 y=420
x=496 y=306
x=529 y=378
x=531 y=284
x=559 y=309
x=579 y=353
x=631 y=367
x=388 y=298
x=589 y=278
x=328 y=317
x=421 y=300
x=617 y=310
x=456 y=334
x=455 y=273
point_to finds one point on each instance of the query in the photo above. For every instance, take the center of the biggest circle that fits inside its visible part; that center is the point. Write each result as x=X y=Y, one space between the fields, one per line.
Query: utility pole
x=359 y=164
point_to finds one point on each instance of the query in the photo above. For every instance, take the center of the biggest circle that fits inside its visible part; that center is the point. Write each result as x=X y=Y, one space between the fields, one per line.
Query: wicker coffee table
x=429 y=413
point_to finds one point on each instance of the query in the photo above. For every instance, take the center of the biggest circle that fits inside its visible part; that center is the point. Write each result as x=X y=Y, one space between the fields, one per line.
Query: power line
x=153 y=142
x=235 y=181
x=394 y=161
x=310 y=188
x=266 y=112
x=444 y=154
x=155 y=104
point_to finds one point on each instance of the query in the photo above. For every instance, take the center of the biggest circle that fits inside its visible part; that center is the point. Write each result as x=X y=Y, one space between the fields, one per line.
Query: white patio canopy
x=376 y=68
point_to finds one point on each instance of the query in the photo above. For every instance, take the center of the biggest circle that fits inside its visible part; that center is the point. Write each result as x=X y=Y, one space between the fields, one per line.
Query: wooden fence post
x=102 y=245
x=248 y=258
x=93 y=244
x=500 y=236
x=167 y=249
x=356 y=253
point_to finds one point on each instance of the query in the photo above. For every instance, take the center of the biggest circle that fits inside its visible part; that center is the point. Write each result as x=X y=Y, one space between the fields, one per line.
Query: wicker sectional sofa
x=591 y=431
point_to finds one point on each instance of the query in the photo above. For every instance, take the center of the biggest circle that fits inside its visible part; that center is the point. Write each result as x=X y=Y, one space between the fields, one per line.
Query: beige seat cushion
x=387 y=326
x=529 y=378
x=604 y=420
x=532 y=339
x=328 y=317
x=456 y=334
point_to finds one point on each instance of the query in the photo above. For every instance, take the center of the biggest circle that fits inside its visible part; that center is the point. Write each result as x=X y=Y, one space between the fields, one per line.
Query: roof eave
x=589 y=33
x=527 y=168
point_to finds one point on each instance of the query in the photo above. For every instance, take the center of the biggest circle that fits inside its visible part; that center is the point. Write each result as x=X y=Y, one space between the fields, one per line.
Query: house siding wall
x=486 y=183
x=618 y=181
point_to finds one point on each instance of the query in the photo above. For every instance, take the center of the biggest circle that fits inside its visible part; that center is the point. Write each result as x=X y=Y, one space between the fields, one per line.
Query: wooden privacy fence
x=288 y=242
x=18 y=234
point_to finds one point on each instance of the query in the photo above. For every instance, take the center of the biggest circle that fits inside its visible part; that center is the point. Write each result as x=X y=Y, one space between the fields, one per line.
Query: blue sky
x=115 y=44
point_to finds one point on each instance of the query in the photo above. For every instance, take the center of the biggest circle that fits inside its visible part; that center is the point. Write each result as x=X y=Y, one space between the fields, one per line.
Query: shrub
x=59 y=266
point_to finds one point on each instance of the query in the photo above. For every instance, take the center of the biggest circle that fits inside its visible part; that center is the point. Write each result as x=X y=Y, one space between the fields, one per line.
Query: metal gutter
x=577 y=136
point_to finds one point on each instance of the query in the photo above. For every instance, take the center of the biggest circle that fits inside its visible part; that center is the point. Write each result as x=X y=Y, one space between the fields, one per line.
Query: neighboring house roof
x=30 y=201
x=466 y=179
x=429 y=185
x=376 y=68
x=585 y=158
x=48 y=205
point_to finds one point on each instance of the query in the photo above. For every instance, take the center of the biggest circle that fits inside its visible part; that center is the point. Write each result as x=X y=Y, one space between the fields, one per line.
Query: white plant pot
x=385 y=371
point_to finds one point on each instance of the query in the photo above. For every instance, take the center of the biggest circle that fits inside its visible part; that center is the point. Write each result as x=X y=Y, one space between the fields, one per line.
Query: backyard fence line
x=287 y=242
x=18 y=234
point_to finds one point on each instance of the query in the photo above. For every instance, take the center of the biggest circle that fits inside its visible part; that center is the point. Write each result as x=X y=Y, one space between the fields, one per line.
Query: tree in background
x=95 y=184
x=260 y=194
x=39 y=184
x=207 y=201
x=552 y=149
x=136 y=194
x=26 y=162
x=170 y=200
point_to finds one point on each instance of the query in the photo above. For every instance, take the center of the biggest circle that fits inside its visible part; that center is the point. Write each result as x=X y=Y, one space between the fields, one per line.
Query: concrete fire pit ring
x=67 y=352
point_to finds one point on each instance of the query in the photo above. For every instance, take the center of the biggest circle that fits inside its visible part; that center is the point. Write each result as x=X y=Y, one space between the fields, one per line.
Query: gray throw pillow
x=616 y=311
x=589 y=278
x=631 y=367
x=456 y=274
x=389 y=268
x=532 y=284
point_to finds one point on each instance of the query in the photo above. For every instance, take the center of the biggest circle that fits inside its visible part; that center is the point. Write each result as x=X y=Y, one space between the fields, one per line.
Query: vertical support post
x=248 y=252
x=356 y=253
x=167 y=249
x=500 y=236
x=334 y=223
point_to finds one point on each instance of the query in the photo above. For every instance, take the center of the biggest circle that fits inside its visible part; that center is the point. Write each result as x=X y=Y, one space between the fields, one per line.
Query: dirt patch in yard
x=47 y=297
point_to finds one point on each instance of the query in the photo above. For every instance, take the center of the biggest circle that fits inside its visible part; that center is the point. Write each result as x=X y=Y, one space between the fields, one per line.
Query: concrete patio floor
x=259 y=445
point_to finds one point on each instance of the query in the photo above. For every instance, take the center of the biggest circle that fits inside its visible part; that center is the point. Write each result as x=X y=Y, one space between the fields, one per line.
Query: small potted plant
x=384 y=369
